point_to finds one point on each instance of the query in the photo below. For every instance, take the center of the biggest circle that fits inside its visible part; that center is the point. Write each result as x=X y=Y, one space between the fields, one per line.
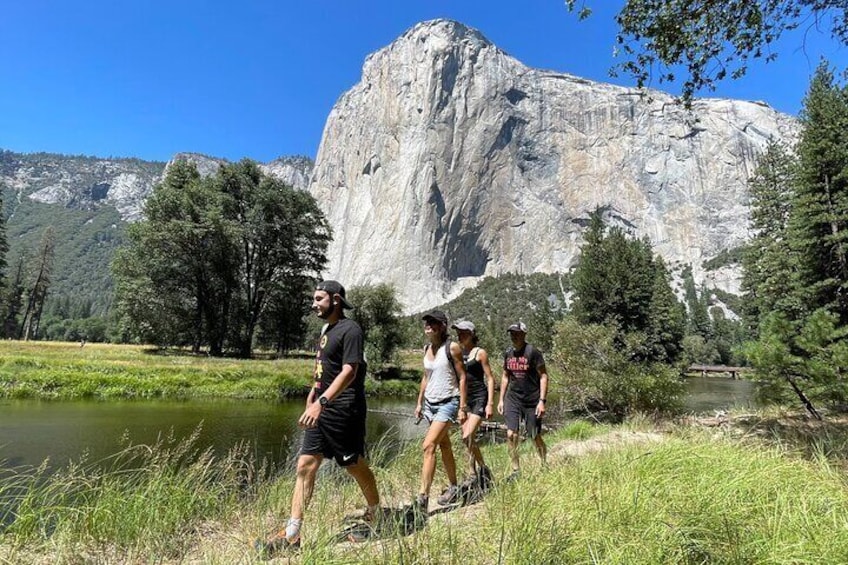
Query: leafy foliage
x=378 y=311
x=710 y=39
x=616 y=352
x=214 y=255
x=539 y=300
x=619 y=283
x=596 y=370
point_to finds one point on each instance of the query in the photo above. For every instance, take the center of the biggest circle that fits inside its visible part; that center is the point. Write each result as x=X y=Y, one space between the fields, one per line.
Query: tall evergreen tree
x=618 y=282
x=37 y=293
x=771 y=277
x=802 y=344
x=13 y=301
x=820 y=211
x=698 y=317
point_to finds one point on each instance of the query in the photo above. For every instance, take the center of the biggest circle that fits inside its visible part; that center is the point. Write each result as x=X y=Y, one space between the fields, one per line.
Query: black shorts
x=516 y=410
x=477 y=403
x=339 y=435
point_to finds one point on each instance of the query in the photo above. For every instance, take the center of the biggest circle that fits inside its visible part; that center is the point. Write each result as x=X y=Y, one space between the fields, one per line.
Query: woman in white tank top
x=440 y=397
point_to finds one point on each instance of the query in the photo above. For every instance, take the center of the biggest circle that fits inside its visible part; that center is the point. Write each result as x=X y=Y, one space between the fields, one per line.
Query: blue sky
x=258 y=78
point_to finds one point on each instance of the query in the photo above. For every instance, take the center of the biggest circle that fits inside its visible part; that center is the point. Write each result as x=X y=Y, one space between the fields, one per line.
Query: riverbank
x=770 y=490
x=56 y=370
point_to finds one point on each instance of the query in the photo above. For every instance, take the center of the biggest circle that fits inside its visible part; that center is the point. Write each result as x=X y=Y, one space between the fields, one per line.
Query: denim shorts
x=443 y=411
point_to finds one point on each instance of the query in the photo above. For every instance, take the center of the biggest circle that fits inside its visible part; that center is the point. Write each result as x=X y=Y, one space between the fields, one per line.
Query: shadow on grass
x=398 y=522
x=799 y=432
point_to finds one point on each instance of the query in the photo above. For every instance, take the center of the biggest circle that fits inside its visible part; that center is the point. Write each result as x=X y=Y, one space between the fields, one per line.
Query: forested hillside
x=85 y=241
x=538 y=300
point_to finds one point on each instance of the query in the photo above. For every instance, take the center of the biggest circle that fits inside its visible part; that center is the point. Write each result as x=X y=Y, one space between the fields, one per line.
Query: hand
x=417 y=412
x=540 y=409
x=309 y=418
x=500 y=407
x=488 y=411
x=463 y=415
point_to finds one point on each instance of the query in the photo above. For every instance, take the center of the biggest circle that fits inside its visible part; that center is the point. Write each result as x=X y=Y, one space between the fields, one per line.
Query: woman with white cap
x=480 y=391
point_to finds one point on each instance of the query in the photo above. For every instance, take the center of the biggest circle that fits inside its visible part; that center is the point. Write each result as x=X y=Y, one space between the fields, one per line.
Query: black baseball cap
x=518 y=327
x=334 y=287
x=437 y=315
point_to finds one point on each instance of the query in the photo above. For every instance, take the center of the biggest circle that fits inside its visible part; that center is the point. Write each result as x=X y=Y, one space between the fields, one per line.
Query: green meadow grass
x=54 y=370
x=693 y=498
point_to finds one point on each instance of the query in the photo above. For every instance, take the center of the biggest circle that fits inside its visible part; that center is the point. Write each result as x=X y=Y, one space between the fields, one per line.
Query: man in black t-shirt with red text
x=334 y=418
x=524 y=389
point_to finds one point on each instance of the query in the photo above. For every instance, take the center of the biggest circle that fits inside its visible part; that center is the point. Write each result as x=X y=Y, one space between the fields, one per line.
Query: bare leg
x=447 y=456
x=541 y=448
x=432 y=441
x=364 y=477
x=512 y=440
x=307 y=469
x=469 y=438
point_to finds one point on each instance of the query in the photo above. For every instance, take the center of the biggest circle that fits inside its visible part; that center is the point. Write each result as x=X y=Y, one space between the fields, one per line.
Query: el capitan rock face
x=451 y=160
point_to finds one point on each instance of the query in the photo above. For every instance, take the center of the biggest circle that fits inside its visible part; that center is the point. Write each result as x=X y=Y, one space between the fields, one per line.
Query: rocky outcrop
x=294 y=171
x=78 y=181
x=451 y=160
x=90 y=182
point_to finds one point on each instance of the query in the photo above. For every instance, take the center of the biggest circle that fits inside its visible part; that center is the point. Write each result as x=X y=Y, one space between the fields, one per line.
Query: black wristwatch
x=542 y=400
x=323 y=400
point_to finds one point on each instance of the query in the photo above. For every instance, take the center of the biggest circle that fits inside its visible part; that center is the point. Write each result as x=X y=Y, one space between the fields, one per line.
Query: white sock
x=293 y=528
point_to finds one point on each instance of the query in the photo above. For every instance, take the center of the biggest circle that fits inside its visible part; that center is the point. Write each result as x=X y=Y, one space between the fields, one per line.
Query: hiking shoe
x=418 y=511
x=469 y=482
x=360 y=532
x=449 y=496
x=268 y=549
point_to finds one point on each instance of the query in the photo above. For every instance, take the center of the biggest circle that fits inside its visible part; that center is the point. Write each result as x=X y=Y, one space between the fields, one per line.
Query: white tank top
x=441 y=381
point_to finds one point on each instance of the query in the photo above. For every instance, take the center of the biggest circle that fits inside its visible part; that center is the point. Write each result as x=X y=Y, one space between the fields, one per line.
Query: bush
x=597 y=371
x=698 y=350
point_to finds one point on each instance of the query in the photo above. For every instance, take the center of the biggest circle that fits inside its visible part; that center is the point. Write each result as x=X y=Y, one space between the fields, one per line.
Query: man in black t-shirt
x=334 y=418
x=524 y=389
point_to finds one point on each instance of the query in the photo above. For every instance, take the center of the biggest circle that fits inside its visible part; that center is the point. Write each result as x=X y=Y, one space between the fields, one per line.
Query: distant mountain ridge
x=88 y=201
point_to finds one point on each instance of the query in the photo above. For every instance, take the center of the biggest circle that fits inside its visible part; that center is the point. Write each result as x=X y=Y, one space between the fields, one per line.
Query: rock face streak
x=451 y=160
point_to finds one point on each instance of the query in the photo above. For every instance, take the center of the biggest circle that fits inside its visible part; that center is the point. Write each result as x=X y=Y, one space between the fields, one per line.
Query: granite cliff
x=450 y=161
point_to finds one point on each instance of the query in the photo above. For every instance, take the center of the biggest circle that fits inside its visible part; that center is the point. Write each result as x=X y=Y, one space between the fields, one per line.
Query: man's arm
x=310 y=416
x=504 y=385
x=543 y=390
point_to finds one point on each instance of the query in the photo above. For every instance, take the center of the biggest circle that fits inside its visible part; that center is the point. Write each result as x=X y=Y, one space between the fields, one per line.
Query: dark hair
x=444 y=333
x=475 y=339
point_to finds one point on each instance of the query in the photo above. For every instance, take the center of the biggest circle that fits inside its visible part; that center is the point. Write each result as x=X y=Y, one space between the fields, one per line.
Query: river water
x=62 y=431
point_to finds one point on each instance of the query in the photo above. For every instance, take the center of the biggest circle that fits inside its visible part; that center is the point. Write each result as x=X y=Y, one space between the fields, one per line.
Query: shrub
x=596 y=370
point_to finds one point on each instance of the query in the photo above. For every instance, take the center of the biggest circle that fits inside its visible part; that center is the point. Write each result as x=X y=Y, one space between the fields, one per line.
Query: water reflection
x=709 y=394
x=62 y=431
x=32 y=431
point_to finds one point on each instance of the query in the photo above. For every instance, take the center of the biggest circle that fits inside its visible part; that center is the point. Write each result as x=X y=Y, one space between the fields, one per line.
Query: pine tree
x=771 y=277
x=698 y=318
x=820 y=210
x=618 y=282
x=40 y=285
